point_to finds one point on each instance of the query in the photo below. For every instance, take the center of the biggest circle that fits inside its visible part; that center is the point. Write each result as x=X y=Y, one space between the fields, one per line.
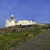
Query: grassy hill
x=40 y=42
x=14 y=36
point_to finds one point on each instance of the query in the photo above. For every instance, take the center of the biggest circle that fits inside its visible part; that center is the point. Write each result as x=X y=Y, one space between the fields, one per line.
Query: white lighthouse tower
x=10 y=22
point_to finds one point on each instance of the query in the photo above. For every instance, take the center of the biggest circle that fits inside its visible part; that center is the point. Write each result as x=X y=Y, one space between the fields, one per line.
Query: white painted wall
x=7 y=23
x=13 y=23
x=25 y=22
x=21 y=22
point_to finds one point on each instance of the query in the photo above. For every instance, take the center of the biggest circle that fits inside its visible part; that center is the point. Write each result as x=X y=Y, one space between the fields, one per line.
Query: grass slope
x=40 y=42
x=8 y=40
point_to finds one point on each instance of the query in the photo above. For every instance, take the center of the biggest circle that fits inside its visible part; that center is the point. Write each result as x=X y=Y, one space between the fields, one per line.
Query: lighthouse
x=10 y=22
x=13 y=22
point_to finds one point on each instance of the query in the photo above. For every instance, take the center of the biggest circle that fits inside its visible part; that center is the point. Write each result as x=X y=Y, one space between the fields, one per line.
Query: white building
x=25 y=22
x=12 y=22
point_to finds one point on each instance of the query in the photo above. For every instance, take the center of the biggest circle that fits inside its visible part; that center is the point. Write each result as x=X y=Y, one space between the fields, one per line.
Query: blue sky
x=37 y=10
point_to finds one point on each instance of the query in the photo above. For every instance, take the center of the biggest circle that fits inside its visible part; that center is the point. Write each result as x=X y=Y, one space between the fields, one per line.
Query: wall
x=25 y=22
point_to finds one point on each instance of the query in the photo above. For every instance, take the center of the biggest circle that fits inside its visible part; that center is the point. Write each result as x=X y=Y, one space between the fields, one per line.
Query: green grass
x=12 y=39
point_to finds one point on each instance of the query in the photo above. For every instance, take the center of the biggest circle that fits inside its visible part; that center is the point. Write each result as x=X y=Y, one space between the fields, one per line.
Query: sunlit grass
x=12 y=39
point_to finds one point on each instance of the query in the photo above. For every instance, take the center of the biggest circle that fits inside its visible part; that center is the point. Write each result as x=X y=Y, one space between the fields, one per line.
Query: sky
x=37 y=10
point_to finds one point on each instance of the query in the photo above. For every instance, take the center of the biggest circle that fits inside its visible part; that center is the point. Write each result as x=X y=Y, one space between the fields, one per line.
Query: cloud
x=8 y=9
x=9 y=6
